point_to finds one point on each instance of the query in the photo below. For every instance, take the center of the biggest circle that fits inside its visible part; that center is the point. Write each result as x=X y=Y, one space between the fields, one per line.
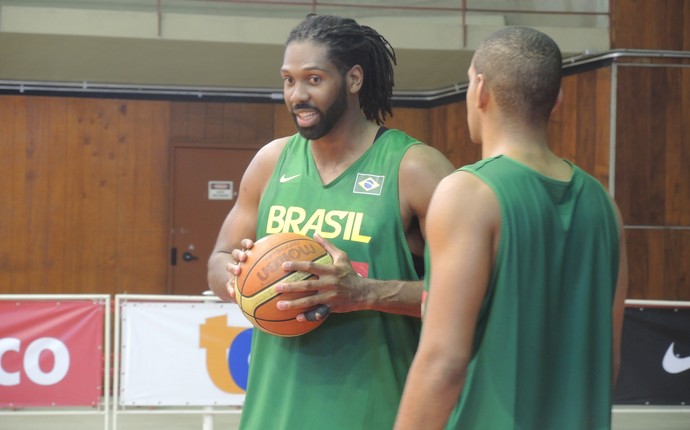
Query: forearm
x=396 y=297
x=430 y=394
x=217 y=275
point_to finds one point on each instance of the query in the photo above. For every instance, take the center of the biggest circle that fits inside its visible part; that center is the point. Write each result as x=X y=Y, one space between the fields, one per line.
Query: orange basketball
x=254 y=287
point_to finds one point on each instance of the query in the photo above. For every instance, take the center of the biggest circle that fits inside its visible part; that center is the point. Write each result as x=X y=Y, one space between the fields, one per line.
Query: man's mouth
x=306 y=118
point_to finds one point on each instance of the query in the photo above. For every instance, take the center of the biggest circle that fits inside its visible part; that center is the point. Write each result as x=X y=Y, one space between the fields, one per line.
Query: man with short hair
x=526 y=268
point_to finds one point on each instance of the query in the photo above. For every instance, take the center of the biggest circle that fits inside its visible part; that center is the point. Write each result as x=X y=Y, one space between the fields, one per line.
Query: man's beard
x=326 y=120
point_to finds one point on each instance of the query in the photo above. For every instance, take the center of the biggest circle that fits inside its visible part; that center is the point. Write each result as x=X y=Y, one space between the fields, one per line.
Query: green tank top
x=542 y=353
x=349 y=372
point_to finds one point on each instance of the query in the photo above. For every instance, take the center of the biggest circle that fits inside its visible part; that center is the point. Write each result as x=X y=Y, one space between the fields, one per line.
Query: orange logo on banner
x=227 y=353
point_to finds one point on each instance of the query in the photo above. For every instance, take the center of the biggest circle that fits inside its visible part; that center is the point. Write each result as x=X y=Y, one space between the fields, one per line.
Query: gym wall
x=85 y=190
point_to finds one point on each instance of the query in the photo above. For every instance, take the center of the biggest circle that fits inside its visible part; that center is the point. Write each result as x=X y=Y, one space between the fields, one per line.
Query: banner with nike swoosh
x=655 y=355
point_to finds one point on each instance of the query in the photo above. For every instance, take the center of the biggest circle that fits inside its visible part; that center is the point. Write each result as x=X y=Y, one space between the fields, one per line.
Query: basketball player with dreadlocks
x=362 y=191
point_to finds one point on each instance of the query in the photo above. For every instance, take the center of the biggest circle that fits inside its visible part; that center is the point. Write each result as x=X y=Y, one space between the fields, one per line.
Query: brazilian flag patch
x=366 y=183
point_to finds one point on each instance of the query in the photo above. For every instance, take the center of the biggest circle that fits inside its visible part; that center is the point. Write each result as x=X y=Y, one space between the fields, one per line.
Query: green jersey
x=349 y=372
x=542 y=354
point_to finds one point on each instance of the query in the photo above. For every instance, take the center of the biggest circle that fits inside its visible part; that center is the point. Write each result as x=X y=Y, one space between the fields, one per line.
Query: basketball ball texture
x=255 y=286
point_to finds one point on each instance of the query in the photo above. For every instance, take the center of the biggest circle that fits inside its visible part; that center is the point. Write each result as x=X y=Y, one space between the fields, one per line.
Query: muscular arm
x=240 y=223
x=462 y=230
x=421 y=170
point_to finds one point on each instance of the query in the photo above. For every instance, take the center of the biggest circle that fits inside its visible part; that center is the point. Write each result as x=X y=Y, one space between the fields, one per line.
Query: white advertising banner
x=183 y=354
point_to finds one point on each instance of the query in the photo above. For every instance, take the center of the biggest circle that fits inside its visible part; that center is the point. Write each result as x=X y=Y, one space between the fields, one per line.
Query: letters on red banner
x=51 y=353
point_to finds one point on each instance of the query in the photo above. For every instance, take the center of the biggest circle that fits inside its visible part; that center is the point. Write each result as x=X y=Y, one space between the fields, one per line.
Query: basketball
x=254 y=287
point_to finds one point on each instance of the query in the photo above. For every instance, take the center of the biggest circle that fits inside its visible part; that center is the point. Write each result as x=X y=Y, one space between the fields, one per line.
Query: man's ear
x=355 y=79
x=482 y=91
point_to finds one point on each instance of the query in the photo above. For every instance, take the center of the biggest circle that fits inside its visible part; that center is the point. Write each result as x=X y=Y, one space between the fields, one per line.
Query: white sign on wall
x=183 y=354
x=220 y=190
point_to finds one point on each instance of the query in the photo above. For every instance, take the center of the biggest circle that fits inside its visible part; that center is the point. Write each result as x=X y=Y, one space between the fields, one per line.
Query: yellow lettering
x=334 y=224
x=329 y=224
x=276 y=216
x=315 y=222
x=348 y=226
x=294 y=217
x=356 y=237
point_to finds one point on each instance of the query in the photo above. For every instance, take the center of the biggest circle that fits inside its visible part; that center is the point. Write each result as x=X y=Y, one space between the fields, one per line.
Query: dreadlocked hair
x=351 y=44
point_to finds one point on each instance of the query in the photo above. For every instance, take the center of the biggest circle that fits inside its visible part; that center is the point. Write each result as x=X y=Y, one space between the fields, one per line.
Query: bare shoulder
x=269 y=153
x=422 y=167
x=467 y=185
x=266 y=158
x=425 y=159
x=468 y=196
x=260 y=169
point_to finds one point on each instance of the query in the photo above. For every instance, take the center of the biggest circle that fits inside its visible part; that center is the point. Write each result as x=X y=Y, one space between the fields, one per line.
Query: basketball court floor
x=624 y=418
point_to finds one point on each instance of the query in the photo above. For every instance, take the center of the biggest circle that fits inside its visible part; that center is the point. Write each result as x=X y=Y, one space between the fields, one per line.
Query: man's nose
x=297 y=93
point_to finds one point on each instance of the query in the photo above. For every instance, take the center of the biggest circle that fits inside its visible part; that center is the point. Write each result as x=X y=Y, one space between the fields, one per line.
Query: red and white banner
x=51 y=353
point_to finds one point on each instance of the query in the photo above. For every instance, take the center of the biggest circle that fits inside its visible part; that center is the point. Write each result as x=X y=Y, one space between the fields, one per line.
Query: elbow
x=217 y=276
x=457 y=372
x=448 y=372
